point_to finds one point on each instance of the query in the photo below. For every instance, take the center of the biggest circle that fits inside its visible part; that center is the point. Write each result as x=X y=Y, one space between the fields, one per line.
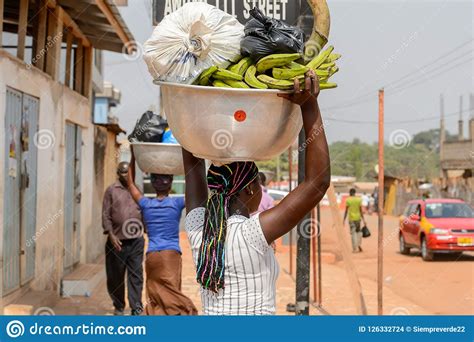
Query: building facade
x=457 y=157
x=50 y=69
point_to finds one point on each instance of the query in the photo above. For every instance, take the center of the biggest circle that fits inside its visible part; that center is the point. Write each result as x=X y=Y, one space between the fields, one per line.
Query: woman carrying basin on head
x=163 y=259
x=235 y=264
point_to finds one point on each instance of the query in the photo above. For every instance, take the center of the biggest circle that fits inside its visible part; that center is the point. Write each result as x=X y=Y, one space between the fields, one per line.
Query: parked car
x=277 y=195
x=437 y=226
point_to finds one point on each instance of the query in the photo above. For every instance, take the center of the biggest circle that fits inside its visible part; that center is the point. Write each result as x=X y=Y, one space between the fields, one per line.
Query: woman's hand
x=134 y=191
x=310 y=92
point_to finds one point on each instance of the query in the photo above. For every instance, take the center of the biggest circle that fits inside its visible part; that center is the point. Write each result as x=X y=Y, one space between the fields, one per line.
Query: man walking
x=354 y=209
x=122 y=222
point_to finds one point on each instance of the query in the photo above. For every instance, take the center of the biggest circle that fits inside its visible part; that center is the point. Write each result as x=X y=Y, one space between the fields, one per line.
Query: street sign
x=286 y=10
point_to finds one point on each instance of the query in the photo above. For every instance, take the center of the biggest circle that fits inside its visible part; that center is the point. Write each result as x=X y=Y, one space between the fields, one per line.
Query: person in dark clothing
x=122 y=222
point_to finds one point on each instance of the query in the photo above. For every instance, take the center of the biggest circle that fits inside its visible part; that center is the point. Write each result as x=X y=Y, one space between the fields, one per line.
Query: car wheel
x=426 y=253
x=403 y=247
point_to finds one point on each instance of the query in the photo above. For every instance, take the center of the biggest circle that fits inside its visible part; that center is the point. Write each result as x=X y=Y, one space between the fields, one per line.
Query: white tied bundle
x=190 y=40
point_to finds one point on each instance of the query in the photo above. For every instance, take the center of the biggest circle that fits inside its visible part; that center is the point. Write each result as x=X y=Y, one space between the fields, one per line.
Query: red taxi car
x=437 y=226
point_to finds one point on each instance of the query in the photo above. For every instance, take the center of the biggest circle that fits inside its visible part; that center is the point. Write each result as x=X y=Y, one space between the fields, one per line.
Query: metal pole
x=290 y=234
x=314 y=232
x=380 y=206
x=303 y=245
x=320 y=278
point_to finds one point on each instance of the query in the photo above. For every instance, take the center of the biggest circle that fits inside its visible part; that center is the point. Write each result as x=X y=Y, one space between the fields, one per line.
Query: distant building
x=54 y=160
x=457 y=158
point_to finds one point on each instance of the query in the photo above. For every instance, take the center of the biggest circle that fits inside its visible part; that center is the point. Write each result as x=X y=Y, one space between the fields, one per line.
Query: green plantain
x=274 y=83
x=224 y=75
x=252 y=80
x=276 y=60
x=286 y=74
x=320 y=59
x=241 y=67
x=237 y=84
x=206 y=75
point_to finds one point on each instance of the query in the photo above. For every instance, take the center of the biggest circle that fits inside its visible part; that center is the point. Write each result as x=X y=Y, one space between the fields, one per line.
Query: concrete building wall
x=58 y=105
x=105 y=164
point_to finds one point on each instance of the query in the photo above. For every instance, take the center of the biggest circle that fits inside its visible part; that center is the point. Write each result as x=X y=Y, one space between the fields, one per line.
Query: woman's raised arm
x=279 y=220
x=196 y=181
x=132 y=187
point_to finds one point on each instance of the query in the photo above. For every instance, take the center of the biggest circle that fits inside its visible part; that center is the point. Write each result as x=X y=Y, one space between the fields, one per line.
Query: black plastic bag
x=365 y=232
x=265 y=36
x=149 y=128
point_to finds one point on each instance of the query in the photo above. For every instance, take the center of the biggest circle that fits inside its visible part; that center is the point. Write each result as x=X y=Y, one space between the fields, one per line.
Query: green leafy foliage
x=418 y=160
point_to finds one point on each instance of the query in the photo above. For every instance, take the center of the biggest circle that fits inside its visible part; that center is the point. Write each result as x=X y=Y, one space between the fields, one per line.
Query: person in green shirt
x=354 y=211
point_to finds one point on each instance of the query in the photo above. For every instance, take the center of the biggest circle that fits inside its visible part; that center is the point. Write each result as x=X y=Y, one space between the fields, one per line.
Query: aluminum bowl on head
x=226 y=125
x=165 y=159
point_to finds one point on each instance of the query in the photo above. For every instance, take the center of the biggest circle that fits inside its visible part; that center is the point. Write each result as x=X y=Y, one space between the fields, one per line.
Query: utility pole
x=380 y=206
x=320 y=268
x=303 y=245
x=460 y=121
x=290 y=188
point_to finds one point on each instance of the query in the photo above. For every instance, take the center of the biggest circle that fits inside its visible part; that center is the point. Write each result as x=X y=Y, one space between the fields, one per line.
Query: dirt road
x=444 y=286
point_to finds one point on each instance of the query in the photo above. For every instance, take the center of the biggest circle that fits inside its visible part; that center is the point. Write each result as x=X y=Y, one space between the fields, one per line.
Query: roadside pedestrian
x=122 y=222
x=356 y=215
x=163 y=263
x=267 y=200
x=365 y=203
x=235 y=265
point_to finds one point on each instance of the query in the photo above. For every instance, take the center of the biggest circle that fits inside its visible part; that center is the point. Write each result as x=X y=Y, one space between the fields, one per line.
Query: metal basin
x=165 y=159
x=226 y=125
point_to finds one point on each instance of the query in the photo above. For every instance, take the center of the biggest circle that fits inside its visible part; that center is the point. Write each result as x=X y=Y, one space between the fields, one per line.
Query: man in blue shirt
x=163 y=264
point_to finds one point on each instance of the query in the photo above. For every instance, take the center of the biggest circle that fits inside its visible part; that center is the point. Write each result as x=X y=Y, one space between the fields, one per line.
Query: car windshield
x=276 y=196
x=443 y=210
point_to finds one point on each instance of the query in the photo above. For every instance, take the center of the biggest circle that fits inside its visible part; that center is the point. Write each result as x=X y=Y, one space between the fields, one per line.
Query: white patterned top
x=251 y=269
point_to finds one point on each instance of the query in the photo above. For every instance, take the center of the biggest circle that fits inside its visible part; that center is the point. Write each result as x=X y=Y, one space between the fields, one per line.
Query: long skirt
x=163 y=283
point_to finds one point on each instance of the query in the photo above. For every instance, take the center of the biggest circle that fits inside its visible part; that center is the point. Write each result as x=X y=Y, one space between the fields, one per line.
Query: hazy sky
x=381 y=42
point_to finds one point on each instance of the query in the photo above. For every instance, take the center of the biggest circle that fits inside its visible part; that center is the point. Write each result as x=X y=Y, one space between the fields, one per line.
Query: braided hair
x=225 y=182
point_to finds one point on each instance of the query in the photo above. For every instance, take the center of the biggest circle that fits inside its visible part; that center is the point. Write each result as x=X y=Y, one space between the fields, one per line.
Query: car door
x=417 y=228
x=412 y=223
x=404 y=220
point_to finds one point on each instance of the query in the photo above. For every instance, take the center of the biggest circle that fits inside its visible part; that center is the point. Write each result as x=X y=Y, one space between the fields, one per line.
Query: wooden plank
x=354 y=282
x=53 y=45
x=69 y=41
x=22 y=26
x=113 y=21
x=71 y=24
x=40 y=51
x=2 y=5
x=78 y=67
x=87 y=80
